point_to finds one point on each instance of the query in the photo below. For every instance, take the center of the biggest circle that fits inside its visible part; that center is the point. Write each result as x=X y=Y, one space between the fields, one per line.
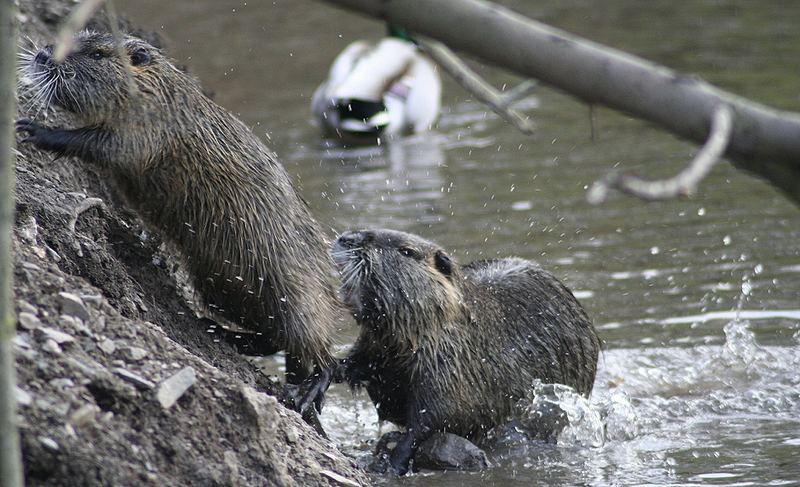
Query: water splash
x=556 y=411
x=619 y=415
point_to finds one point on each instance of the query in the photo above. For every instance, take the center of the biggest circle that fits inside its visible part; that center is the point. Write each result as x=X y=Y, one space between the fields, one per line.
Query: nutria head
x=397 y=279
x=95 y=82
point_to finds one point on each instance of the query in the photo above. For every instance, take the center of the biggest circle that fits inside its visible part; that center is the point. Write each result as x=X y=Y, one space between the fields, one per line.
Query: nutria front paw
x=34 y=129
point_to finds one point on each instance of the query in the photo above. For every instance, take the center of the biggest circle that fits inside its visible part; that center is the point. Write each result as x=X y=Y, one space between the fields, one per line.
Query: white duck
x=387 y=89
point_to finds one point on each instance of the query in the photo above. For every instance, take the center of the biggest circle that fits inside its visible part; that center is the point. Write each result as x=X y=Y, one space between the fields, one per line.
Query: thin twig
x=119 y=43
x=76 y=21
x=80 y=208
x=470 y=81
x=682 y=183
x=508 y=98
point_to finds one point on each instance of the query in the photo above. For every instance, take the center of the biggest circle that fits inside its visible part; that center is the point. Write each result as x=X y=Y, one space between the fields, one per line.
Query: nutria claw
x=28 y=125
x=312 y=391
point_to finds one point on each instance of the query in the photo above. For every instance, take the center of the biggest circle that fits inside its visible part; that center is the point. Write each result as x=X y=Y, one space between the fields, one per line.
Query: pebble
x=446 y=451
x=45 y=333
x=53 y=254
x=107 y=346
x=229 y=457
x=100 y=324
x=22 y=396
x=26 y=307
x=28 y=230
x=28 y=321
x=49 y=443
x=30 y=266
x=134 y=354
x=73 y=305
x=92 y=298
x=340 y=479
x=62 y=383
x=137 y=380
x=84 y=414
x=67 y=321
x=51 y=346
x=170 y=390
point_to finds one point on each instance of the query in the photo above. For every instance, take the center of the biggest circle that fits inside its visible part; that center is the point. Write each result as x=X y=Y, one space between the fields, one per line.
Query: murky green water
x=661 y=280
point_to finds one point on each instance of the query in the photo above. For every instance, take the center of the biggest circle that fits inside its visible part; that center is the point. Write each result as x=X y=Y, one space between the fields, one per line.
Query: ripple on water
x=703 y=415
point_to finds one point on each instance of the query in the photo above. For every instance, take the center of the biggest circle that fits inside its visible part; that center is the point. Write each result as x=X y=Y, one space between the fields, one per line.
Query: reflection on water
x=709 y=374
x=402 y=175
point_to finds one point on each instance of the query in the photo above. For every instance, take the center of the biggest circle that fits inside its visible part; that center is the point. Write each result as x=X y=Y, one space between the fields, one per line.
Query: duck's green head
x=399 y=33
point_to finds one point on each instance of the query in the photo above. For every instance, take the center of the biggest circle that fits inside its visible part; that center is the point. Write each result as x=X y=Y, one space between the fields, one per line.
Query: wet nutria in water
x=201 y=177
x=450 y=348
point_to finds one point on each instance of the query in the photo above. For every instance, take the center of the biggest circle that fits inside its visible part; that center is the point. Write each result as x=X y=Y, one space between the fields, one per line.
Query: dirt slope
x=92 y=362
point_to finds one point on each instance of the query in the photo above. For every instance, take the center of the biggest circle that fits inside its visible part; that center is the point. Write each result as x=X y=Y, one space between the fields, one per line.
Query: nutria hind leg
x=297 y=370
x=401 y=456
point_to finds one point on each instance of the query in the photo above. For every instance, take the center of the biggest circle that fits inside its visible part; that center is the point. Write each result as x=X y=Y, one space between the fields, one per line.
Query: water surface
x=697 y=300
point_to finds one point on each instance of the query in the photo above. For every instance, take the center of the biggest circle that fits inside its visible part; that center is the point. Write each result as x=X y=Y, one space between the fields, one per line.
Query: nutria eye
x=443 y=263
x=97 y=55
x=409 y=252
x=140 y=57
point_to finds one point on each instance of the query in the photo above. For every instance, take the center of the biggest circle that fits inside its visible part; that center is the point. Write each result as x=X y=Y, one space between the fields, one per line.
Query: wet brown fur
x=450 y=348
x=204 y=180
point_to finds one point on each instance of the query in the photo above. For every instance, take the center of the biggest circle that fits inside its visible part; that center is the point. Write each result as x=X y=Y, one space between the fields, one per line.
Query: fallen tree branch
x=84 y=205
x=483 y=91
x=682 y=183
x=763 y=141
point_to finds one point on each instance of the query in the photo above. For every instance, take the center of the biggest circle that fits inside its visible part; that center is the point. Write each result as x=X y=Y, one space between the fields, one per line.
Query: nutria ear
x=443 y=263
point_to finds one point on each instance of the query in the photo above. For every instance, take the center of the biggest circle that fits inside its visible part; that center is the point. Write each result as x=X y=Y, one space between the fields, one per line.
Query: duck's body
x=387 y=89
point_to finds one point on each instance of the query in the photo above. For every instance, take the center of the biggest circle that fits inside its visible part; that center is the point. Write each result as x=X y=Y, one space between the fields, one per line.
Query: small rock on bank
x=173 y=388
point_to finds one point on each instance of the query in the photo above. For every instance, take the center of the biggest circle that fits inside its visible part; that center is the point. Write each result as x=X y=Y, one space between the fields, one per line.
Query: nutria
x=205 y=181
x=450 y=348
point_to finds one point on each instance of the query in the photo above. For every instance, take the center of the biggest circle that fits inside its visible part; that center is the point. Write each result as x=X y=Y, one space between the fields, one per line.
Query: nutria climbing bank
x=450 y=348
x=204 y=180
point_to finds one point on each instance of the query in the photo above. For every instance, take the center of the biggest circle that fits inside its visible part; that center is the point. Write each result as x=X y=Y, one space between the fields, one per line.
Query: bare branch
x=76 y=21
x=484 y=92
x=80 y=208
x=508 y=98
x=765 y=142
x=682 y=183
